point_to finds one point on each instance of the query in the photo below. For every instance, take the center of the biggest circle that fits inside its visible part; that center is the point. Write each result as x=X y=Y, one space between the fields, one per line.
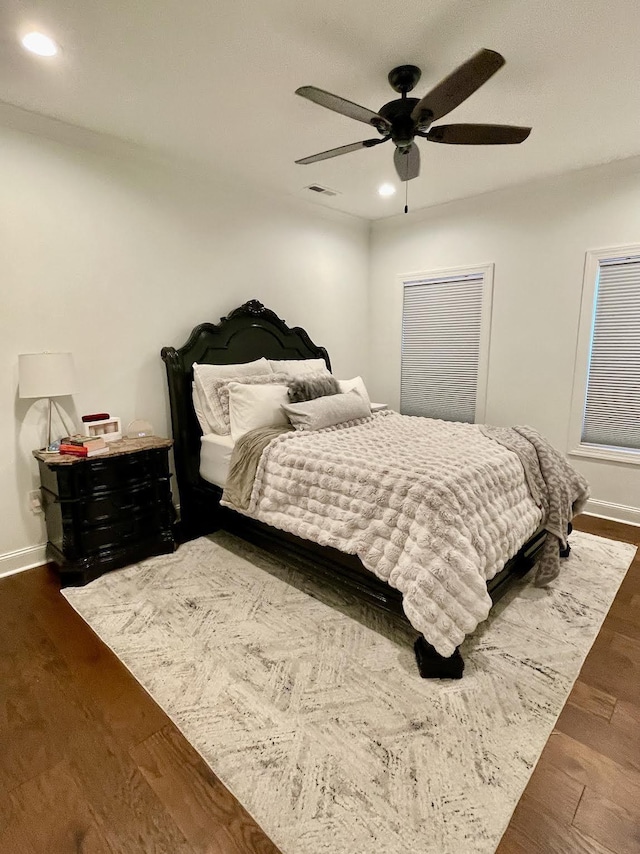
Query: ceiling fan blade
x=457 y=87
x=407 y=162
x=343 y=149
x=478 y=134
x=341 y=105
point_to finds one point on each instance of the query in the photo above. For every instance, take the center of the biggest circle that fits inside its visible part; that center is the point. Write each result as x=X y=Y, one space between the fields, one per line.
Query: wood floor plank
x=131 y=816
x=200 y=805
x=27 y=746
x=554 y=791
x=6 y=811
x=630 y=586
x=49 y=813
x=515 y=842
x=547 y=834
x=628 y=648
x=623 y=620
x=609 y=823
x=600 y=736
x=27 y=743
x=592 y=769
x=626 y=719
x=613 y=666
x=592 y=700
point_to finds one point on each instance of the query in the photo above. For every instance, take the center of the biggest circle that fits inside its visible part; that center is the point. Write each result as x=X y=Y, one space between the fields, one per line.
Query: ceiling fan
x=406 y=118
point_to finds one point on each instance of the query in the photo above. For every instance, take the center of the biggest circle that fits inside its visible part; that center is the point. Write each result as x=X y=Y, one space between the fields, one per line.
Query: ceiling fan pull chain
x=406 y=197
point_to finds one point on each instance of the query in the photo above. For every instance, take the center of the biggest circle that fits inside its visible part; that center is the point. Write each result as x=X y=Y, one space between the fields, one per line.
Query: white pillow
x=207 y=377
x=241 y=369
x=253 y=406
x=327 y=411
x=356 y=383
x=220 y=399
x=295 y=367
x=199 y=410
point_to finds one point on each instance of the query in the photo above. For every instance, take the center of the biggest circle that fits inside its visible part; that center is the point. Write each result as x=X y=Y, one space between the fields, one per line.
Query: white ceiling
x=213 y=82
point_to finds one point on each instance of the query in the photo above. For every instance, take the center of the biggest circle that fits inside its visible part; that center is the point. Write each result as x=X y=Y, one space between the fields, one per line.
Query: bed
x=248 y=333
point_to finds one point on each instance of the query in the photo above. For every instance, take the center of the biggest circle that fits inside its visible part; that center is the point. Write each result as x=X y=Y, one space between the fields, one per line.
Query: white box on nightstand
x=109 y=428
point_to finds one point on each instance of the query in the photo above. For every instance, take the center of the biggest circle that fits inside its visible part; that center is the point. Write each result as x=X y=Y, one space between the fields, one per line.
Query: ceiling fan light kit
x=404 y=119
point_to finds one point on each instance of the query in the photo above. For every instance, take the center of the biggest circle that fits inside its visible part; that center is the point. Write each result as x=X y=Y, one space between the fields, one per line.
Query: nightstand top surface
x=116 y=449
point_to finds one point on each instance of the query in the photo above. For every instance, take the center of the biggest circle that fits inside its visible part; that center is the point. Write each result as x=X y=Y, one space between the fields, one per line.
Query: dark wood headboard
x=247 y=333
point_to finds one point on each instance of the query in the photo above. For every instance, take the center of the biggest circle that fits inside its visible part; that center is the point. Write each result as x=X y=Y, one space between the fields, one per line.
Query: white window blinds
x=612 y=409
x=441 y=342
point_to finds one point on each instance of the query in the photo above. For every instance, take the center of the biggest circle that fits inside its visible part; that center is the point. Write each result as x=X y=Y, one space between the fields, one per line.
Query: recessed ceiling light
x=40 y=44
x=386 y=190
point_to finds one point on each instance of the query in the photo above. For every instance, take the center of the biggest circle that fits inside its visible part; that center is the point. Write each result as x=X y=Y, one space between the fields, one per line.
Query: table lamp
x=46 y=375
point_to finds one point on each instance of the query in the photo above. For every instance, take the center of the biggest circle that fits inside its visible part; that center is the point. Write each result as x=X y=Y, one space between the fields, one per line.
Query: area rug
x=308 y=705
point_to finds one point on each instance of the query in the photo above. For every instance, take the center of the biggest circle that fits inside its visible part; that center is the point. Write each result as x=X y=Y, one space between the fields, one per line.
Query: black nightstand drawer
x=106 y=474
x=120 y=534
x=120 y=504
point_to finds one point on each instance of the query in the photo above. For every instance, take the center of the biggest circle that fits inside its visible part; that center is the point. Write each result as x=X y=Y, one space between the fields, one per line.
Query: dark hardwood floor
x=89 y=763
x=584 y=795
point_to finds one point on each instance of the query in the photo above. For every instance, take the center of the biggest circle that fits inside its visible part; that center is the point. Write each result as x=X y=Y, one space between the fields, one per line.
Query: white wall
x=537 y=236
x=112 y=257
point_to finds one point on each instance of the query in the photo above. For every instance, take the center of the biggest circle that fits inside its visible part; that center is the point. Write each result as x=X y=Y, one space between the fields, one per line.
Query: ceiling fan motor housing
x=403 y=127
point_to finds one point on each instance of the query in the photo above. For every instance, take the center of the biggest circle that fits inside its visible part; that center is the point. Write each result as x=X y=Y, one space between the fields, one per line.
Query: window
x=445 y=343
x=606 y=405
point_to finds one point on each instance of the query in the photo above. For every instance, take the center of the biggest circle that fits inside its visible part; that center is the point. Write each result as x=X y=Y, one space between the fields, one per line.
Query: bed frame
x=247 y=333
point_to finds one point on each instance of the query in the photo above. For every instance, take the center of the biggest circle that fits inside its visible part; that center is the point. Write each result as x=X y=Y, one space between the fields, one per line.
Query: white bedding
x=433 y=508
x=215 y=456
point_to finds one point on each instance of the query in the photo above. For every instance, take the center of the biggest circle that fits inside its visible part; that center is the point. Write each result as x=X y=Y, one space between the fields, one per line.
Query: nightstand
x=107 y=511
x=378 y=407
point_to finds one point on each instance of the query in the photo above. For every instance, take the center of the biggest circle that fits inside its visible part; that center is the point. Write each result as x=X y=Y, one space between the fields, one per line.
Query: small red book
x=79 y=451
x=89 y=442
x=75 y=450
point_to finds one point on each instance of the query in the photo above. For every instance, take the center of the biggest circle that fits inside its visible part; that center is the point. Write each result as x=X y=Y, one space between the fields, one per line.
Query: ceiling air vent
x=318 y=188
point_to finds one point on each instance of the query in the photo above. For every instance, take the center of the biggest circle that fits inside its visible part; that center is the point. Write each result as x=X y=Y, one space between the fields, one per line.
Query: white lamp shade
x=46 y=374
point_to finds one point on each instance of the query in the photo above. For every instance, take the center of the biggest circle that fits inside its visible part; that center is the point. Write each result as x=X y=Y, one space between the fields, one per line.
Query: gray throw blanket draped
x=244 y=464
x=556 y=487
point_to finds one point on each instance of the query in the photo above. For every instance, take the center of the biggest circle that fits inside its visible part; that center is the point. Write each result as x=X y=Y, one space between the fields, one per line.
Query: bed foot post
x=565 y=552
x=432 y=665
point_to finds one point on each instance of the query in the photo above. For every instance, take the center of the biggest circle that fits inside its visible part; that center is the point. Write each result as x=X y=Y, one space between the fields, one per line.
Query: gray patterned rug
x=310 y=708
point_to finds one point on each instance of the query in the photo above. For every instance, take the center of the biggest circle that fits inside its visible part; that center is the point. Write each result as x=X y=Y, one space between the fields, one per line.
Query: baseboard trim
x=12 y=562
x=615 y=512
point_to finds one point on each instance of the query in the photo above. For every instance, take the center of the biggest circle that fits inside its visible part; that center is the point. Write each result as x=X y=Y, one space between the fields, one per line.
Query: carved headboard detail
x=247 y=333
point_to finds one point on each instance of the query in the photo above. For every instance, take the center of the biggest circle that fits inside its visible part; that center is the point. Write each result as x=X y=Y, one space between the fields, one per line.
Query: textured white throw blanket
x=433 y=508
x=557 y=488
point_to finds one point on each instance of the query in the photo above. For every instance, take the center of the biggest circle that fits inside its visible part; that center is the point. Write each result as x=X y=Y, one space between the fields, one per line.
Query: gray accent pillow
x=311 y=386
x=327 y=411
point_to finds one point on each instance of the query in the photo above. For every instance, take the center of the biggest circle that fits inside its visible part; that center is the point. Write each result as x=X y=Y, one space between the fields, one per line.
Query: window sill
x=603 y=452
